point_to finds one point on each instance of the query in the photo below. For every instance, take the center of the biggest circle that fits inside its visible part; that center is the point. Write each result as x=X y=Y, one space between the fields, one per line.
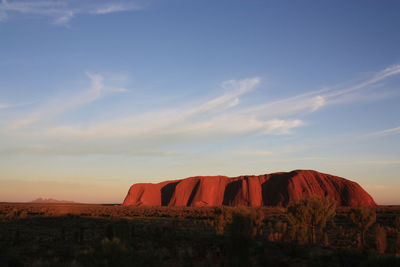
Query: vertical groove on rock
x=193 y=194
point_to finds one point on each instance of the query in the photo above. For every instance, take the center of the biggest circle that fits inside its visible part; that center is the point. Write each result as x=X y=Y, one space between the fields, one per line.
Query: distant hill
x=51 y=201
x=276 y=189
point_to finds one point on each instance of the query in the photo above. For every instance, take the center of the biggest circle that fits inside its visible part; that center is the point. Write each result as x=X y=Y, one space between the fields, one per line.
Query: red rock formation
x=276 y=189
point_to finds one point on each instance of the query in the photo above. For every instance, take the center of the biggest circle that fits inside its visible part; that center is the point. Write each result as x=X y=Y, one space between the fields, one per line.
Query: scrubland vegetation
x=310 y=232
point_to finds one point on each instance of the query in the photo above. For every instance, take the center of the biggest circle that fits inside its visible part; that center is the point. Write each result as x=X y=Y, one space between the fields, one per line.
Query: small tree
x=397 y=244
x=397 y=223
x=363 y=218
x=380 y=239
x=325 y=240
x=256 y=221
x=312 y=212
x=397 y=228
x=246 y=224
x=223 y=217
x=279 y=229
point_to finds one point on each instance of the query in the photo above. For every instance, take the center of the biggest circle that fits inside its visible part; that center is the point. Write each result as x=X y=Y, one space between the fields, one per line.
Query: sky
x=98 y=95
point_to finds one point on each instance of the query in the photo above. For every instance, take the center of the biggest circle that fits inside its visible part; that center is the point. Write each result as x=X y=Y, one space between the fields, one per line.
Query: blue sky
x=98 y=95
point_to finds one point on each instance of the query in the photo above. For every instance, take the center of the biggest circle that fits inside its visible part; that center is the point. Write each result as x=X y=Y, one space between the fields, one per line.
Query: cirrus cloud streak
x=221 y=118
x=61 y=12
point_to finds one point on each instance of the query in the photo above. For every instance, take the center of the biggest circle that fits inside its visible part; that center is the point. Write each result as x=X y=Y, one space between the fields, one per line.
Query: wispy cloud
x=314 y=100
x=294 y=159
x=319 y=101
x=61 y=12
x=372 y=162
x=62 y=105
x=65 y=17
x=386 y=73
x=211 y=119
x=4 y=105
x=392 y=131
x=112 y=8
x=379 y=162
x=231 y=98
x=255 y=153
x=295 y=105
x=85 y=149
x=221 y=118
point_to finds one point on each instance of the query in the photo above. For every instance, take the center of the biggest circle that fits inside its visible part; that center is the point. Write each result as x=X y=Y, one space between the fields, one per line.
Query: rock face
x=276 y=189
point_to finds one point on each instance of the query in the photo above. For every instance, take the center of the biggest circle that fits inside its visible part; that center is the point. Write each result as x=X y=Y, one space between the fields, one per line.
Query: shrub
x=223 y=216
x=380 y=239
x=363 y=218
x=246 y=223
x=109 y=231
x=397 y=223
x=108 y=253
x=311 y=212
x=241 y=235
x=397 y=228
x=256 y=221
x=325 y=240
x=279 y=230
x=397 y=246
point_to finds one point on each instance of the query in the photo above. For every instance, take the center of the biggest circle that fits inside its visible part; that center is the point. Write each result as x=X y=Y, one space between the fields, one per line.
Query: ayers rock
x=276 y=189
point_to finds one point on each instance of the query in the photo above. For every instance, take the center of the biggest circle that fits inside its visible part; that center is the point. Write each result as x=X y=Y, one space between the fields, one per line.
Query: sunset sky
x=98 y=95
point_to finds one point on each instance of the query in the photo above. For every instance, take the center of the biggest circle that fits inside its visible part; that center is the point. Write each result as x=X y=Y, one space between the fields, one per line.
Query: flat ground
x=108 y=235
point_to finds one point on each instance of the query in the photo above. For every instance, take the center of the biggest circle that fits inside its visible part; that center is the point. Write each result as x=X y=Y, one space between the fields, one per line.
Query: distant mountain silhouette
x=276 y=189
x=50 y=201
